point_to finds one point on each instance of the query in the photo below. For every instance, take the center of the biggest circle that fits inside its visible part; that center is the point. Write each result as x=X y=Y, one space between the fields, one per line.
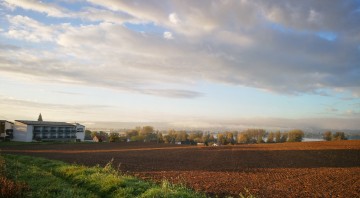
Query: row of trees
x=249 y=136
x=260 y=135
x=148 y=134
x=329 y=136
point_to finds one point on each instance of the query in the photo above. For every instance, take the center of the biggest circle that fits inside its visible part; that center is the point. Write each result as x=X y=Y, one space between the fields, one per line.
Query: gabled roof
x=45 y=123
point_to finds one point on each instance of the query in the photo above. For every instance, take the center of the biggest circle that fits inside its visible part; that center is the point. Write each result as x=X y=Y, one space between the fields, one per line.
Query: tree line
x=329 y=136
x=248 y=136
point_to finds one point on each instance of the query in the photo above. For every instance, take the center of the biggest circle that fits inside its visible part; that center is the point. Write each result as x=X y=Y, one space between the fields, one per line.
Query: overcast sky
x=196 y=63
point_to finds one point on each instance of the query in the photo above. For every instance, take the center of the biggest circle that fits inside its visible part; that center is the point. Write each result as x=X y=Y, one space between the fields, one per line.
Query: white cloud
x=314 y=17
x=25 y=28
x=96 y=14
x=232 y=42
x=39 y=6
x=173 y=18
x=168 y=35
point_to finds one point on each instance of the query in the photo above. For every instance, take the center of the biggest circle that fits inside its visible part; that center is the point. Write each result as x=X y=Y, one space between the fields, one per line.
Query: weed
x=247 y=194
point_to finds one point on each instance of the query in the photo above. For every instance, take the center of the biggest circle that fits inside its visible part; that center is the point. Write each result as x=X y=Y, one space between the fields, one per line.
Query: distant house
x=28 y=131
x=6 y=130
x=99 y=138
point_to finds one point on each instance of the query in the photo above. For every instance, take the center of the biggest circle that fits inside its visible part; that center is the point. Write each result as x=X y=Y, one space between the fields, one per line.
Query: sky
x=280 y=64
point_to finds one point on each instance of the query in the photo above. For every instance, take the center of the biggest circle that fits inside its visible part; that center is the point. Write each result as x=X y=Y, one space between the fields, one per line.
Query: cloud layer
x=164 y=48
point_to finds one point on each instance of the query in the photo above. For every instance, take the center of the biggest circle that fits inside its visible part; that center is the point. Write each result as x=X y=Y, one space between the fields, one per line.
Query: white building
x=80 y=131
x=6 y=129
x=28 y=131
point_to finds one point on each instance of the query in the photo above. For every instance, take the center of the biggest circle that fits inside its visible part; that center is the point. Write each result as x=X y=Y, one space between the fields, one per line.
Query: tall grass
x=10 y=188
x=50 y=178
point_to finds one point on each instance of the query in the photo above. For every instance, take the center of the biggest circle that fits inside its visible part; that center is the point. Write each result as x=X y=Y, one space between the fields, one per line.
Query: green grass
x=50 y=178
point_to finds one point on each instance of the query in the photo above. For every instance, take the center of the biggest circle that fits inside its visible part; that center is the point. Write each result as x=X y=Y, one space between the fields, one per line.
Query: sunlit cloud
x=169 y=49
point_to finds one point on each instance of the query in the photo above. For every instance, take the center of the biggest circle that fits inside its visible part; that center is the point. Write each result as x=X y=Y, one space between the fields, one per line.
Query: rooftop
x=6 y=121
x=46 y=123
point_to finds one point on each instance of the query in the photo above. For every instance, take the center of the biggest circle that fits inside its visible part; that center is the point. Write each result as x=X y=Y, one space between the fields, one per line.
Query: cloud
x=39 y=6
x=172 y=93
x=352 y=113
x=17 y=108
x=269 y=45
x=41 y=105
x=25 y=28
x=101 y=15
x=331 y=109
x=173 y=18
x=168 y=35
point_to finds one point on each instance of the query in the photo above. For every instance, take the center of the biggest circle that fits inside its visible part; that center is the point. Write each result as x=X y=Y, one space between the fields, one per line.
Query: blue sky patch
x=330 y=36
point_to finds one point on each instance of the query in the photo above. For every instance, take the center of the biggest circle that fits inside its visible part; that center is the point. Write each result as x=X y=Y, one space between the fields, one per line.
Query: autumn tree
x=270 y=137
x=104 y=135
x=211 y=138
x=284 y=137
x=196 y=136
x=221 y=139
x=339 y=136
x=131 y=133
x=295 y=135
x=181 y=136
x=277 y=136
x=160 y=138
x=205 y=139
x=229 y=137
x=170 y=137
x=134 y=135
x=243 y=138
x=93 y=134
x=114 y=137
x=88 y=135
x=327 y=135
x=147 y=132
x=252 y=136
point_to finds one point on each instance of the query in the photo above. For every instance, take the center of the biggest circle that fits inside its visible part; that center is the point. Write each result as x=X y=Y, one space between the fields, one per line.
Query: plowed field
x=309 y=169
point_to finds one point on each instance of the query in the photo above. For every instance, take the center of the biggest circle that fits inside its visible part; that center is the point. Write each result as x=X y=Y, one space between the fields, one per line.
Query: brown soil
x=309 y=169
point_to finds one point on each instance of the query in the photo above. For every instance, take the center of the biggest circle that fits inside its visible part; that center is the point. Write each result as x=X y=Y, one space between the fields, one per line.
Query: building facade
x=6 y=129
x=28 y=131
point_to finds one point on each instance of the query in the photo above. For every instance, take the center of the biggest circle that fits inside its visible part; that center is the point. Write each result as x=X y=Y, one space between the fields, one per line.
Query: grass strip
x=51 y=178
